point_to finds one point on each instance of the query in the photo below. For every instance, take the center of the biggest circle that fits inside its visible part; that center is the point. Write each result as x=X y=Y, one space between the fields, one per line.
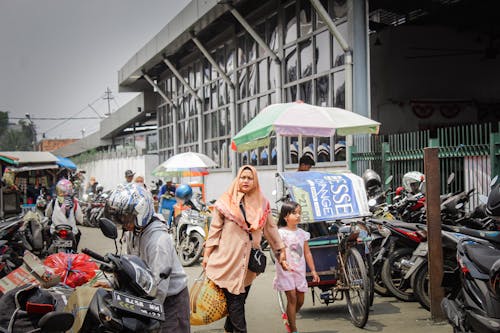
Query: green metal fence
x=471 y=151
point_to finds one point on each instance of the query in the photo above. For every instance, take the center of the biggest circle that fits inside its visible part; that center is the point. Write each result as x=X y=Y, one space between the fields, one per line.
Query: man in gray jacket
x=132 y=207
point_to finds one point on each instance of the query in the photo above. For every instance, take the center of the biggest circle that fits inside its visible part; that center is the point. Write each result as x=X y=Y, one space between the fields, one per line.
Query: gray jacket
x=155 y=246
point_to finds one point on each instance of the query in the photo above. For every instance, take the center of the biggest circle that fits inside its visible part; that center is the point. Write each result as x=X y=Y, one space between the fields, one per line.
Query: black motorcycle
x=129 y=307
x=474 y=305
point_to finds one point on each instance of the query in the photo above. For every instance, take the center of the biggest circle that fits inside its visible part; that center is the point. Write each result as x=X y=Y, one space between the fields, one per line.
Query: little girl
x=293 y=282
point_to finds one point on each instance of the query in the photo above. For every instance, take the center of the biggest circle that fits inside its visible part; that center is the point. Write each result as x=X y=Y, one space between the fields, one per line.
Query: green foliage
x=15 y=139
x=4 y=121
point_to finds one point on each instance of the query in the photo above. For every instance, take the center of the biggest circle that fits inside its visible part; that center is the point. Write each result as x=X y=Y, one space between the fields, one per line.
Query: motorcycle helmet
x=64 y=188
x=493 y=204
x=41 y=202
x=371 y=179
x=131 y=199
x=412 y=181
x=99 y=188
x=184 y=192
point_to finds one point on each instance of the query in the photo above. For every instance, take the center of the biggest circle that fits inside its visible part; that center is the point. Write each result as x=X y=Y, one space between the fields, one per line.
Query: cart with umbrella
x=338 y=247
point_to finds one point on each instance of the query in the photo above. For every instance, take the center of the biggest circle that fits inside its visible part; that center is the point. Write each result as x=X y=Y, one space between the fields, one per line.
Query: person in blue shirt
x=167 y=200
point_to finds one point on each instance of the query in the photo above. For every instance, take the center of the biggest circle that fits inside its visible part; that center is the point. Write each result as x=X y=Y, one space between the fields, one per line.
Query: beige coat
x=228 y=263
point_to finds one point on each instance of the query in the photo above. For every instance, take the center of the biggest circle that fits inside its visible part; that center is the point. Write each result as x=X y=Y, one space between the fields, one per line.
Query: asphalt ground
x=263 y=315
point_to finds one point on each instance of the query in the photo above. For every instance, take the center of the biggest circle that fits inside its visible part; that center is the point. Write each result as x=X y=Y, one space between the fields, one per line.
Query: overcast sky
x=58 y=56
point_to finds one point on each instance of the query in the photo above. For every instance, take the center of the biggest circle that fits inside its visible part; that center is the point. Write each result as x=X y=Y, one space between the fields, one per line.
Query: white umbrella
x=185 y=164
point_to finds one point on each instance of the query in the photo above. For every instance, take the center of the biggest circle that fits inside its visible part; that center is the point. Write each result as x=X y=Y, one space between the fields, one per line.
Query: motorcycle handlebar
x=94 y=255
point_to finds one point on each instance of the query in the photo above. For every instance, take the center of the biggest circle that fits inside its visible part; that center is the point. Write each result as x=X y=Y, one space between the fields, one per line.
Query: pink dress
x=296 y=277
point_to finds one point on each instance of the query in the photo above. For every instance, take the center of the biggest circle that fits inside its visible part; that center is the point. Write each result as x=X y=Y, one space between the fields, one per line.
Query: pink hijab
x=257 y=207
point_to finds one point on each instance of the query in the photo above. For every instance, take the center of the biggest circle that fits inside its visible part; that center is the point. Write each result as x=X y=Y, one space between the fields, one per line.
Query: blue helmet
x=132 y=199
x=184 y=192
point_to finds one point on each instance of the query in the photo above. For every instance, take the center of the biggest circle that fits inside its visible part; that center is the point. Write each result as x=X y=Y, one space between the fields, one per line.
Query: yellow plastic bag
x=206 y=301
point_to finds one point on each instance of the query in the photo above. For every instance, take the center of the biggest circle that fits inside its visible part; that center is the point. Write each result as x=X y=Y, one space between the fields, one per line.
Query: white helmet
x=132 y=199
x=412 y=181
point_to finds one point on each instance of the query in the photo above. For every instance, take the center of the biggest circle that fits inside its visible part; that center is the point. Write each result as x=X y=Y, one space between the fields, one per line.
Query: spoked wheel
x=282 y=303
x=190 y=249
x=371 y=276
x=358 y=295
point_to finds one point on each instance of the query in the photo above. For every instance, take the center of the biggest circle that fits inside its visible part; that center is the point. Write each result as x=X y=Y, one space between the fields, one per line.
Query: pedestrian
x=305 y=163
x=129 y=177
x=240 y=212
x=293 y=282
x=131 y=206
x=64 y=209
x=140 y=180
x=91 y=186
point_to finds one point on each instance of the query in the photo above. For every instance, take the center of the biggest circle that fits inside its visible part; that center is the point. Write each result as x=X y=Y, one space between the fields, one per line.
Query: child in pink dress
x=293 y=282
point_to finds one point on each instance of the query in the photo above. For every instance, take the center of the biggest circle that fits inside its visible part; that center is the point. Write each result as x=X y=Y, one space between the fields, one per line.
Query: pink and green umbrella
x=300 y=119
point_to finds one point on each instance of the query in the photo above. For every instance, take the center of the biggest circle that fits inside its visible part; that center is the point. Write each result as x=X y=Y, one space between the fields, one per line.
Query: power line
x=57 y=118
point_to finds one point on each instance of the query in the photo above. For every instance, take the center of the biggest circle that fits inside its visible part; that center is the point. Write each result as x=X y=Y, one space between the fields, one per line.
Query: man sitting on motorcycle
x=167 y=200
x=64 y=209
x=131 y=206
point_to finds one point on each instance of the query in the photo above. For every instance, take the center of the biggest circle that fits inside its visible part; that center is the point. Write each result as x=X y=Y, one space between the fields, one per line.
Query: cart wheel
x=282 y=303
x=358 y=295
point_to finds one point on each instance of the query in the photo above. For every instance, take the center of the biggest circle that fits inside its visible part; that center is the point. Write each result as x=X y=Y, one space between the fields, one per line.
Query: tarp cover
x=66 y=163
x=327 y=196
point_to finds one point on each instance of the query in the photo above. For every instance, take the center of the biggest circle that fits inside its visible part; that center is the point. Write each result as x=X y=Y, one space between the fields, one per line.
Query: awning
x=33 y=167
x=66 y=163
x=28 y=157
x=8 y=159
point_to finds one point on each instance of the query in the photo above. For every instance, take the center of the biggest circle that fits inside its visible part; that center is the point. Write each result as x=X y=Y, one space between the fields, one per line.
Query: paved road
x=387 y=314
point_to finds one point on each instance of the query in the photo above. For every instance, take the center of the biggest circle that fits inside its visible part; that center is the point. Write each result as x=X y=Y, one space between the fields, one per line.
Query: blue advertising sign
x=327 y=196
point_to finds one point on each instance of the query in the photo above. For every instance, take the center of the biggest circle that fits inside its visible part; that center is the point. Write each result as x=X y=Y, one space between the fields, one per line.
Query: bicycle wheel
x=371 y=276
x=358 y=295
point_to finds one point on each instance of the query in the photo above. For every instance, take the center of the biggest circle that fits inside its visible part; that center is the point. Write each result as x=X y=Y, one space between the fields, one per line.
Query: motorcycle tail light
x=463 y=268
x=413 y=235
x=63 y=233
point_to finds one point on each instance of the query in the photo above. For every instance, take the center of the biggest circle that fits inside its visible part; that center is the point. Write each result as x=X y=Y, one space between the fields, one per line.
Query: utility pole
x=33 y=130
x=108 y=97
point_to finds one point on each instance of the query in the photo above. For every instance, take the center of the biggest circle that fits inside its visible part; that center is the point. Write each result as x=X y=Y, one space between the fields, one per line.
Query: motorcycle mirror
x=56 y=322
x=388 y=180
x=108 y=228
x=450 y=179
x=493 y=181
x=483 y=199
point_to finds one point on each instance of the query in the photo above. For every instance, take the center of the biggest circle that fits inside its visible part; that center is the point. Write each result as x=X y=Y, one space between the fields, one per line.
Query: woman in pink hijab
x=228 y=245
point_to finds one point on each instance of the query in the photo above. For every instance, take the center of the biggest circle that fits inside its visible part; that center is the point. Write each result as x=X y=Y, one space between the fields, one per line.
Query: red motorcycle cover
x=74 y=269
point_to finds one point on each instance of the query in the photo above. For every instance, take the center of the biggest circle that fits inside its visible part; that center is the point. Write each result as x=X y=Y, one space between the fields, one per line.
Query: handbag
x=257 y=261
x=207 y=302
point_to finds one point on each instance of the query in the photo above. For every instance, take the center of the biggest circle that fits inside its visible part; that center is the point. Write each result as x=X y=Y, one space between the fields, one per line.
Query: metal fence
x=471 y=152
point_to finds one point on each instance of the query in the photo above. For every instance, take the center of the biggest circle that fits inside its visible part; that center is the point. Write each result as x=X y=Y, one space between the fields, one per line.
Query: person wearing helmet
x=184 y=193
x=131 y=206
x=167 y=201
x=64 y=209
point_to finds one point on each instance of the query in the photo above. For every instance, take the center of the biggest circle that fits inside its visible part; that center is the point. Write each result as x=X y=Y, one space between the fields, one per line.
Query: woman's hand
x=315 y=277
x=204 y=262
x=101 y=284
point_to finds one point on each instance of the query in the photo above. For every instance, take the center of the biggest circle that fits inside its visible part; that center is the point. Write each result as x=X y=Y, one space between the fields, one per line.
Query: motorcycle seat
x=492 y=236
x=483 y=256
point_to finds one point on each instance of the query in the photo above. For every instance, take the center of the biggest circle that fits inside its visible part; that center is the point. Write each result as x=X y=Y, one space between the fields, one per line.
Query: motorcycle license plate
x=63 y=243
x=138 y=305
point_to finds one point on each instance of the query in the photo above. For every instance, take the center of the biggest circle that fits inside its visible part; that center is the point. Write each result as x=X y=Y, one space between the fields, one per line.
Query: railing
x=471 y=151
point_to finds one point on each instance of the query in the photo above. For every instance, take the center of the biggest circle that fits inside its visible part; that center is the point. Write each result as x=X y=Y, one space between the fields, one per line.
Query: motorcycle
x=62 y=239
x=189 y=231
x=129 y=306
x=11 y=247
x=475 y=305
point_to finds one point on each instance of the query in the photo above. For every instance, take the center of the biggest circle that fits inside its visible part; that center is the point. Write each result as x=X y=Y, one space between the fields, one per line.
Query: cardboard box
x=32 y=271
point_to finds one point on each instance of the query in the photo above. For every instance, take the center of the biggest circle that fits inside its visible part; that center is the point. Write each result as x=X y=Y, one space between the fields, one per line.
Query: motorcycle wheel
x=393 y=278
x=190 y=249
x=421 y=284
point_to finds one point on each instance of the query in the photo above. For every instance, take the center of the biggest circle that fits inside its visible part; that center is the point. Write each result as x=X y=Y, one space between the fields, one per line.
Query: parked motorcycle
x=129 y=306
x=190 y=230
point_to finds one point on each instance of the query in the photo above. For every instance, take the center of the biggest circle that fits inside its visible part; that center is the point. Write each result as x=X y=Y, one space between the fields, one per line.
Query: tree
x=12 y=139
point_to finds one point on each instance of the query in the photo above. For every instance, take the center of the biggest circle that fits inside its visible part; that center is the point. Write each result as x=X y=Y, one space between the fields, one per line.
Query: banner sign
x=327 y=196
